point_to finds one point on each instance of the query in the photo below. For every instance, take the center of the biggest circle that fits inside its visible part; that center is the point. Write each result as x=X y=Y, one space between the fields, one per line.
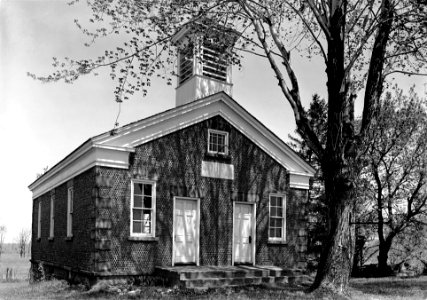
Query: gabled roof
x=113 y=150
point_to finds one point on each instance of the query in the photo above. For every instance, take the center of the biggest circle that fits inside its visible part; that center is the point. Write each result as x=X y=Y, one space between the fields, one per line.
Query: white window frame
x=39 y=220
x=283 y=238
x=70 y=211
x=226 y=141
x=153 y=208
x=52 y=216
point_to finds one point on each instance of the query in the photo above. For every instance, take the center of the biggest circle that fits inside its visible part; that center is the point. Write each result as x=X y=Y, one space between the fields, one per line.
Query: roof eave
x=83 y=148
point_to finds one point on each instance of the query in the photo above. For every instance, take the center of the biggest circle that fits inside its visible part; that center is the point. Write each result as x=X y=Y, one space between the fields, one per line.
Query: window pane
x=137 y=214
x=137 y=227
x=137 y=188
x=273 y=201
x=147 y=214
x=274 y=223
x=146 y=227
x=277 y=220
x=217 y=142
x=137 y=201
x=279 y=202
x=147 y=221
x=273 y=211
x=278 y=232
x=147 y=202
x=147 y=189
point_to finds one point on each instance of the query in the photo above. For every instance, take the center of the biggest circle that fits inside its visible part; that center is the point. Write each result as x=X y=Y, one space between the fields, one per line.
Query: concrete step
x=189 y=275
x=229 y=282
x=214 y=276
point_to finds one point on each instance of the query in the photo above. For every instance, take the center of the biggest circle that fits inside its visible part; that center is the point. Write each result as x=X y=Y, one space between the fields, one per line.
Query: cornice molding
x=113 y=150
x=80 y=161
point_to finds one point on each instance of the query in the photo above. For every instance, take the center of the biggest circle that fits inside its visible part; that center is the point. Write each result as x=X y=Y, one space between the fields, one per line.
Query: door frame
x=197 y=237
x=253 y=204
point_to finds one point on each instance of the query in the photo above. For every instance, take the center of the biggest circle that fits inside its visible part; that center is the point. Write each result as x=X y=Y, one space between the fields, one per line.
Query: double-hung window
x=217 y=142
x=70 y=212
x=52 y=215
x=277 y=218
x=39 y=220
x=143 y=209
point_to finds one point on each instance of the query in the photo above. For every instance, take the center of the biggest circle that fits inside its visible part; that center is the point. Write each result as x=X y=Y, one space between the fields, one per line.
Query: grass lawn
x=390 y=288
x=19 y=265
x=369 y=289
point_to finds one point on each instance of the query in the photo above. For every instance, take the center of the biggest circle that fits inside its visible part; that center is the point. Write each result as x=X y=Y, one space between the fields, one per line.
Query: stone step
x=229 y=282
x=214 y=276
x=190 y=275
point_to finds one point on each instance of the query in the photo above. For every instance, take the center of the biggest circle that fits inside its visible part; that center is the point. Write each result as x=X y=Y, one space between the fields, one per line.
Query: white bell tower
x=202 y=69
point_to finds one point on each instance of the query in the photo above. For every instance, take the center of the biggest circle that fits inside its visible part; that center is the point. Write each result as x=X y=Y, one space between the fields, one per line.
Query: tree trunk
x=384 y=249
x=382 y=258
x=336 y=259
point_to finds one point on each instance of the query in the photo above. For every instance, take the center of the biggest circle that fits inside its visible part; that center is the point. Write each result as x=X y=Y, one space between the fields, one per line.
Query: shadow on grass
x=393 y=286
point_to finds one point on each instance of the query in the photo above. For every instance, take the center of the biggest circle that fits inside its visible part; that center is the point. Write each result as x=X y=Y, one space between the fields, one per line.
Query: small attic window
x=214 y=66
x=186 y=59
x=217 y=142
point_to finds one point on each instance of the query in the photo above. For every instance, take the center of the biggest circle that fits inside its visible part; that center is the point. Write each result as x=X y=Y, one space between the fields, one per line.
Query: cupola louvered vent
x=213 y=65
x=203 y=69
x=186 y=64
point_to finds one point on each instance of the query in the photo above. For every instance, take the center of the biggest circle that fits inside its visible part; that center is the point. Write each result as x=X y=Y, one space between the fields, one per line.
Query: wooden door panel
x=243 y=227
x=185 y=231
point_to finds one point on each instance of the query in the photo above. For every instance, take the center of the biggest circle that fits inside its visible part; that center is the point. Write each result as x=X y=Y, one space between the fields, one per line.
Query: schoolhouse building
x=202 y=186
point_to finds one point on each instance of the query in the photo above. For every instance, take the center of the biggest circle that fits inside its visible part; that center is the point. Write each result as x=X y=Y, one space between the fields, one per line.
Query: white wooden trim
x=254 y=234
x=285 y=220
x=200 y=110
x=197 y=238
x=226 y=141
x=113 y=150
x=173 y=232
x=215 y=169
x=299 y=181
x=90 y=156
x=70 y=211
x=153 y=204
x=198 y=233
x=232 y=235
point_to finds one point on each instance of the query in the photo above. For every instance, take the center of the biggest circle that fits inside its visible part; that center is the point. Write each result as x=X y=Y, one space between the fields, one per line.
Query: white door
x=243 y=241
x=186 y=230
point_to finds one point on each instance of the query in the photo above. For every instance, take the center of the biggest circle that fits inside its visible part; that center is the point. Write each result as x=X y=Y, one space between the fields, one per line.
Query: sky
x=42 y=123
